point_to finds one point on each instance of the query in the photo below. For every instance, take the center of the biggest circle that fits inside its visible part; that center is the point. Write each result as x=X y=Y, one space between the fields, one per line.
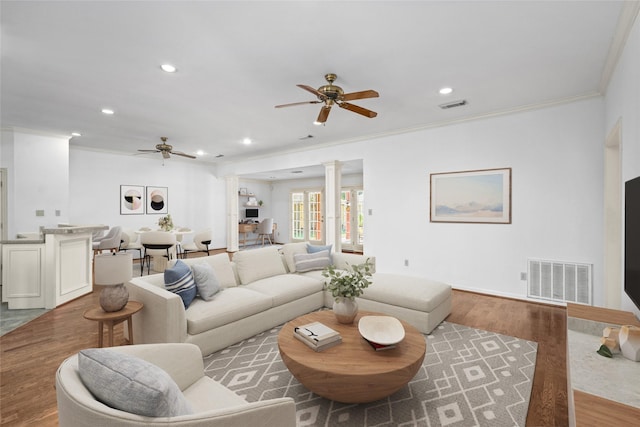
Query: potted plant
x=345 y=286
x=166 y=223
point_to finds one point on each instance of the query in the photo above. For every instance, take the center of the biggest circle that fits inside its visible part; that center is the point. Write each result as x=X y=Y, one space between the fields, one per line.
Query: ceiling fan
x=167 y=150
x=334 y=95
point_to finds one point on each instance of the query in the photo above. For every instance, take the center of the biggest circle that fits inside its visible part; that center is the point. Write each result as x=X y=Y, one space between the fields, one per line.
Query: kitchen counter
x=48 y=271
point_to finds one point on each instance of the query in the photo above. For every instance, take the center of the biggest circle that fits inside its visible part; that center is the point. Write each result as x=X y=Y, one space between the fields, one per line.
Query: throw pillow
x=290 y=249
x=258 y=264
x=179 y=280
x=206 y=281
x=314 y=261
x=318 y=248
x=131 y=384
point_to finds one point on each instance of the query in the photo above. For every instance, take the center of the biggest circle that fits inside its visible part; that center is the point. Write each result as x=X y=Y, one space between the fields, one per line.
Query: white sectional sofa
x=261 y=289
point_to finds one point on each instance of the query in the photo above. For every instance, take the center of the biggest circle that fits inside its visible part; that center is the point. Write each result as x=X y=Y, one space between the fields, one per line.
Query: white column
x=333 y=183
x=232 y=213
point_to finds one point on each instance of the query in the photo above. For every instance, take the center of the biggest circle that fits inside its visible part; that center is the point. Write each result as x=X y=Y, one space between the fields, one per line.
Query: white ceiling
x=62 y=62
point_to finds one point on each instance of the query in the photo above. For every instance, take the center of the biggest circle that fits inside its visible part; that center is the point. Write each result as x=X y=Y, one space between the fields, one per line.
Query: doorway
x=352 y=219
x=613 y=219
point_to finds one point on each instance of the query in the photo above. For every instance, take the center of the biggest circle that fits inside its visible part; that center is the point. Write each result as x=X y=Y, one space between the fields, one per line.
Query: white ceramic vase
x=345 y=310
x=630 y=342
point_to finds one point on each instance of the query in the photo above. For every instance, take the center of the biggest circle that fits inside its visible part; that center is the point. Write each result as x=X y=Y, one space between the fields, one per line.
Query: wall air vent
x=560 y=281
x=453 y=104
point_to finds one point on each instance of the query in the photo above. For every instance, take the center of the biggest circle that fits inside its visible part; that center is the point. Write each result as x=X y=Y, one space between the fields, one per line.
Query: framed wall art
x=478 y=196
x=131 y=199
x=157 y=200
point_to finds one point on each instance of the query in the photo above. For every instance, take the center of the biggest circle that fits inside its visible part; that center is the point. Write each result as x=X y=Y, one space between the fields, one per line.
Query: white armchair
x=214 y=404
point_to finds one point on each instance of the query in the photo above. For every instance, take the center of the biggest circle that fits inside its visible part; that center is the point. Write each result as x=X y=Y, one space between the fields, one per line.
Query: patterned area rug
x=469 y=377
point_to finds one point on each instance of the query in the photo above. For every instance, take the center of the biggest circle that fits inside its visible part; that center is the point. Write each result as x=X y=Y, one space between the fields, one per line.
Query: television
x=632 y=240
x=251 y=213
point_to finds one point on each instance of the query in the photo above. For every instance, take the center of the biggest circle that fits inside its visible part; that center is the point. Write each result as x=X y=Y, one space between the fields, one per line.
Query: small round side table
x=113 y=318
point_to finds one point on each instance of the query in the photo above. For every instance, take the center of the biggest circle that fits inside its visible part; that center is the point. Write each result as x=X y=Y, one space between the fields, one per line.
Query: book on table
x=316 y=332
x=317 y=336
x=379 y=347
x=328 y=343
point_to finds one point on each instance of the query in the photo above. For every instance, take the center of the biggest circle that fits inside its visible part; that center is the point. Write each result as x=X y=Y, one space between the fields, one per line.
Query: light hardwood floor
x=31 y=354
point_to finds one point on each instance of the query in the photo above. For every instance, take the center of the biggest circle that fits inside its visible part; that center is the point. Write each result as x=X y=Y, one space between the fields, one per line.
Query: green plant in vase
x=166 y=223
x=345 y=286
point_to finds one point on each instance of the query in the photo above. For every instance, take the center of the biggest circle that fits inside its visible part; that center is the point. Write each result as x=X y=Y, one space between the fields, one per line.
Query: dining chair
x=200 y=243
x=157 y=244
x=111 y=241
x=180 y=232
x=129 y=242
x=265 y=229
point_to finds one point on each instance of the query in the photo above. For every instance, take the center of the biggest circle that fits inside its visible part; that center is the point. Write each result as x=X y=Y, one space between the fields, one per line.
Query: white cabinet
x=23 y=280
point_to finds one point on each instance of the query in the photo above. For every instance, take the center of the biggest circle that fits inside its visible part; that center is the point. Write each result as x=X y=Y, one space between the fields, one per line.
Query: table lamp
x=112 y=271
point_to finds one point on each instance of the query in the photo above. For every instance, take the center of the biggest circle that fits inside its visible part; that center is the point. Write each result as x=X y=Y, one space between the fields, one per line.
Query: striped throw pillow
x=179 y=280
x=314 y=261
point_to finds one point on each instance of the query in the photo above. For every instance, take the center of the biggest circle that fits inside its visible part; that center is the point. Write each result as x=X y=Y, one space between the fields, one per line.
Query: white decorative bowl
x=385 y=330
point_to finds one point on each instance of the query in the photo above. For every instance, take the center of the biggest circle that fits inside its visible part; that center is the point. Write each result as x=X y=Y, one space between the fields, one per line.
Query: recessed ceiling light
x=246 y=141
x=168 y=68
x=200 y=153
x=108 y=111
x=76 y=134
x=445 y=91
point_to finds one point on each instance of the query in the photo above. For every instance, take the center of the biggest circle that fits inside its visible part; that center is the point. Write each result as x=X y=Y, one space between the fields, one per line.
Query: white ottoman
x=422 y=302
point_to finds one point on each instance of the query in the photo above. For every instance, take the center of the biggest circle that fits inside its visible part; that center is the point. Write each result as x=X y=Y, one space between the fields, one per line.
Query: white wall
x=38 y=179
x=195 y=195
x=556 y=157
x=556 y=160
x=623 y=103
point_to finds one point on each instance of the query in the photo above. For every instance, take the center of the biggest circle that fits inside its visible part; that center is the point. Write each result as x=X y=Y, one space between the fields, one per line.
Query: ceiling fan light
x=168 y=68
x=317 y=123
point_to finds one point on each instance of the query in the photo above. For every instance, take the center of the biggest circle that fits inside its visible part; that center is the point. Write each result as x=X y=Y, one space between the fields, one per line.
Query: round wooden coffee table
x=351 y=372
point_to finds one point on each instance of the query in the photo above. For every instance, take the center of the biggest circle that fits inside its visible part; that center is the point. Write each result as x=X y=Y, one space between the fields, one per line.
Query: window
x=307 y=216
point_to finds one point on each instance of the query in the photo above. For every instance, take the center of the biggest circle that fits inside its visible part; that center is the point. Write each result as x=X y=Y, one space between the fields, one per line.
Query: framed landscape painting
x=131 y=199
x=157 y=200
x=479 y=196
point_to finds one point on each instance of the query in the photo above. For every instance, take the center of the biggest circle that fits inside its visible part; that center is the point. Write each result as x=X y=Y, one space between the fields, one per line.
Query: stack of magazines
x=317 y=336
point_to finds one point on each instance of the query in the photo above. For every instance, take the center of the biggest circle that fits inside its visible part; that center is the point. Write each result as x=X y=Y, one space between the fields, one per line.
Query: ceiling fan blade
x=360 y=95
x=165 y=154
x=179 y=153
x=297 y=103
x=149 y=151
x=312 y=90
x=359 y=110
x=324 y=113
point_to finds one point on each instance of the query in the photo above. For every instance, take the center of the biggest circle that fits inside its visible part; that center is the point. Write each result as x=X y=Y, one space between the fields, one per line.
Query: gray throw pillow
x=313 y=261
x=131 y=384
x=206 y=280
x=318 y=248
